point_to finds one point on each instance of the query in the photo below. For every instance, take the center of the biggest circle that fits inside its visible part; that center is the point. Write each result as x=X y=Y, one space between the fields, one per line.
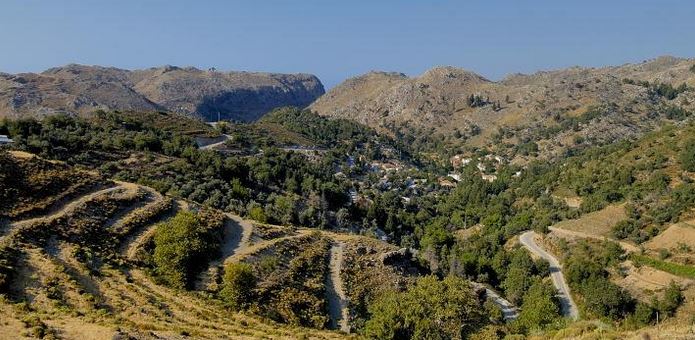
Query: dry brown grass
x=643 y=282
x=597 y=223
x=678 y=234
x=597 y=330
x=464 y=234
x=96 y=306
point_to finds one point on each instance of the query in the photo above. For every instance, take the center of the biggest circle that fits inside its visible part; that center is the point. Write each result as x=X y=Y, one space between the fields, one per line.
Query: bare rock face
x=82 y=89
x=458 y=106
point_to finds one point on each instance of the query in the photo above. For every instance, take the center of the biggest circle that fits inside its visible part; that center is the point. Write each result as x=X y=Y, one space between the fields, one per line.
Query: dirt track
x=237 y=233
x=625 y=245
x=337 y=304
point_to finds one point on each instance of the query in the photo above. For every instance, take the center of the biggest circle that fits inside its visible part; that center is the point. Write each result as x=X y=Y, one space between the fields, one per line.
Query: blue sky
x=340 y=39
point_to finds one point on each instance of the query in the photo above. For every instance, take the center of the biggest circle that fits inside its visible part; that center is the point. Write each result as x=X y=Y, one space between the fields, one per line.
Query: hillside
x=327 y=225
x=90 y=265
x=84 y=89
x=451 y=110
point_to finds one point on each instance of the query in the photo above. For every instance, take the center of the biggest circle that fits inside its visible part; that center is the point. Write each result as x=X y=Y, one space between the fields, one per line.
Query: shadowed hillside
x=208 y=94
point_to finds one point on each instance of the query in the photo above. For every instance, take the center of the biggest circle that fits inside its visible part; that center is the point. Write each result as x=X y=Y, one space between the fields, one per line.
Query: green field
x=669 y=267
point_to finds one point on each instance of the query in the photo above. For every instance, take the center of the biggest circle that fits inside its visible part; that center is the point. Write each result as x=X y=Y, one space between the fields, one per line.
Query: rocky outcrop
x=404 y=260
x=82 y=89
x=461 y=107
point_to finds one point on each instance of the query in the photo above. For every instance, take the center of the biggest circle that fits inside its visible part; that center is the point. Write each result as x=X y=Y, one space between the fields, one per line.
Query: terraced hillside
x=73 y=273
x=43 y=184
x=92 y=265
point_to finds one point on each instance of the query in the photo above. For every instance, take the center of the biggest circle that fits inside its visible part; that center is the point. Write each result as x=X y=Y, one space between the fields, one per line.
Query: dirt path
x=246 y=226
x=244 y=251
x=237 y=236
x=630 y=248
x=569 y=308
x=337 y=301
x=509 y=311
x=116 y=221
x=131 y=245
x=72 y=205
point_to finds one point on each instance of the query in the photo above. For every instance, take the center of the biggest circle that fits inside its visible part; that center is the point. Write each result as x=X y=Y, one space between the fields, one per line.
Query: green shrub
x=490 y=332
x=625 y=229
x=670 y=267
x=676 y=113
x=184 y=244
x=238 y=284
x=256 y=213
x=585 y=270
x=643 y=315
x=667 y=90
x=520 y=275
x=540 y=307
x=687 y=156
x=673 y=298
x=604 y=298
x=432 y=309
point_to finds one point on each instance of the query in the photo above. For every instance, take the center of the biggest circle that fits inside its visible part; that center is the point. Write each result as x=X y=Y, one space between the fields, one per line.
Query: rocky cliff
x=83 y=89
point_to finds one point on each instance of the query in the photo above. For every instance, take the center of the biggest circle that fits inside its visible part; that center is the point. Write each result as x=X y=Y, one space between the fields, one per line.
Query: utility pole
x=657 y=320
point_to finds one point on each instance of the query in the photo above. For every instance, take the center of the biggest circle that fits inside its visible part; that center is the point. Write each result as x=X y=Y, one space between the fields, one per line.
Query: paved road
x=509 y=311
x=211 y=146
x=569 y=308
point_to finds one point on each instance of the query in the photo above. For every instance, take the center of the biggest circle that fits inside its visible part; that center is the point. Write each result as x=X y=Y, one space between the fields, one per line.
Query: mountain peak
x=82 y=89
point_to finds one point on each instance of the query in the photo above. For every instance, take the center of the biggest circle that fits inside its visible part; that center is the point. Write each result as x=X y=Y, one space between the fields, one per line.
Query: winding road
x=509 y=311
x=211 y=146
x=569 y=308
x=337 y=301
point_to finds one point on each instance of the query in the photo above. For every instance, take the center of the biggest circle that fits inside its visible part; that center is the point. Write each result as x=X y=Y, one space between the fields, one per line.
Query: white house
x=5 y=140
x=456 y=177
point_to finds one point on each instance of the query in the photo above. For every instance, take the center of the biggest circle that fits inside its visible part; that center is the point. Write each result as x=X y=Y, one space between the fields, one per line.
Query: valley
x=337 y=222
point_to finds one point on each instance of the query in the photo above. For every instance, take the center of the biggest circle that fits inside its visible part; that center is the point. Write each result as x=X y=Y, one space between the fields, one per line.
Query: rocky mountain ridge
x=463 y=108
x=83 y=89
